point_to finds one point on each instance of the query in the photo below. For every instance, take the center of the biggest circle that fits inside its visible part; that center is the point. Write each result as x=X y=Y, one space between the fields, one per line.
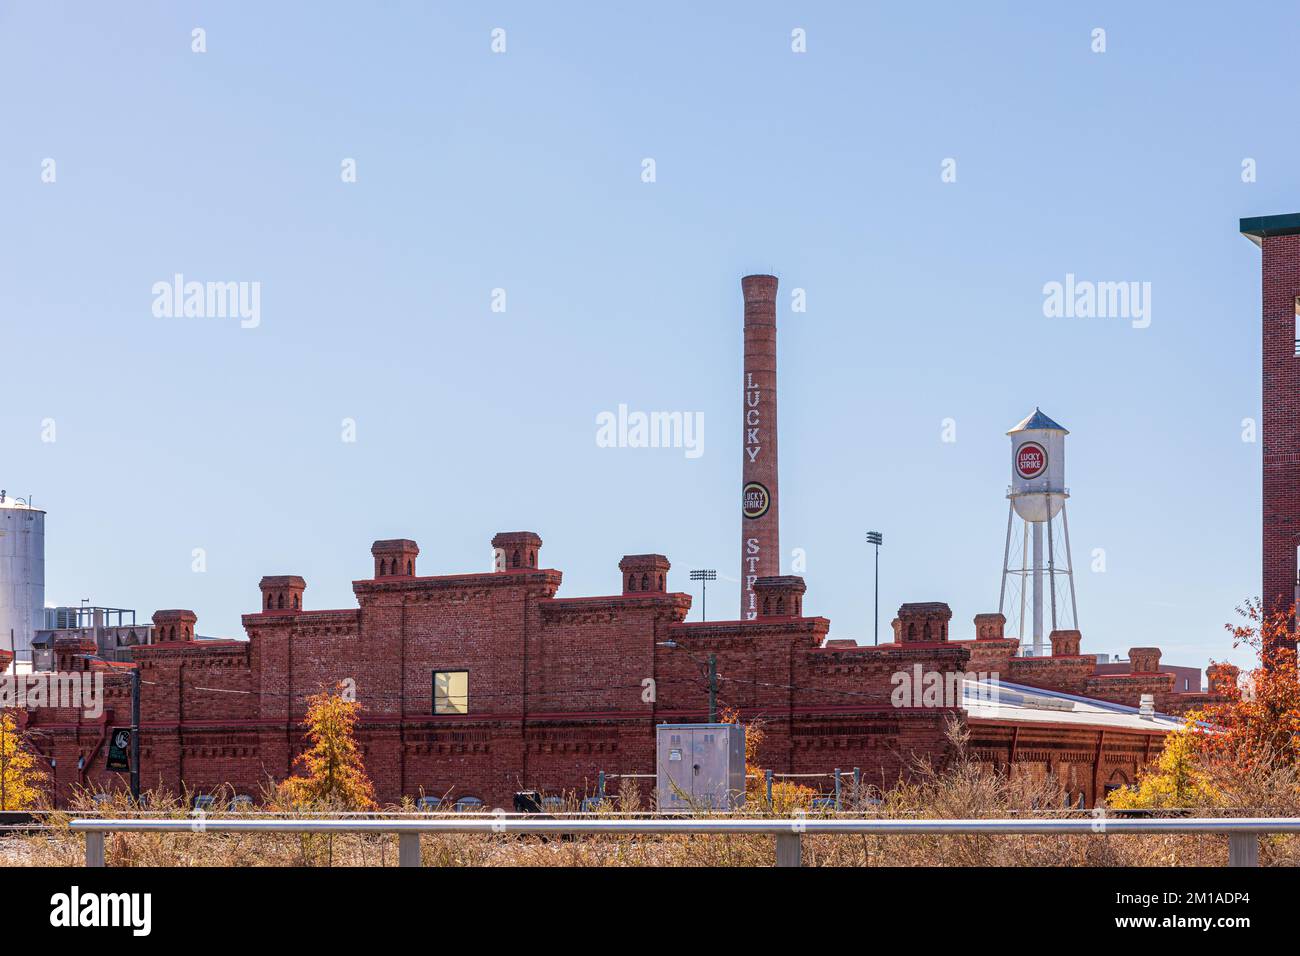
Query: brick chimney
x=515 y=550
x=1278 y=238
x=990 y=627
x=173 y=626
x=1222 y=677
x=1144 y=660
x=69 y=652
x=1066 y=643
x=760 y=526
x=282 y=593
x=395 y=556
x=644 y=572
x=780 y=595
x=923 y=623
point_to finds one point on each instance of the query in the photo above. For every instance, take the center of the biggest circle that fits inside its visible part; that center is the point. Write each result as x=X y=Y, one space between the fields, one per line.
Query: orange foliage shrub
x=1257 y=723
x=787 y=796
x=333 y=774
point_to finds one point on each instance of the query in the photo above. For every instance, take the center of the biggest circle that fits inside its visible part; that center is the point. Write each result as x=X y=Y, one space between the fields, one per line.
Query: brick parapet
x=559 y=690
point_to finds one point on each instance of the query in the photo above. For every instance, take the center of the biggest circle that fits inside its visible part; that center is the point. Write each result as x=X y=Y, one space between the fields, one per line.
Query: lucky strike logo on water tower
x=1031 y=460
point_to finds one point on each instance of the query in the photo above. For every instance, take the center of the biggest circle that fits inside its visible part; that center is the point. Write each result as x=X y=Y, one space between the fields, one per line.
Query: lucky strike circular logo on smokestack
x=1031 y=460
x=755 y=500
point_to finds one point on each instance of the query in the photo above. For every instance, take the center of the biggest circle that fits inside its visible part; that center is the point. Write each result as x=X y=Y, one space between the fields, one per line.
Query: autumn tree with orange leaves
x=1246 y=738
x=1256 y=721
x=22 y=781
x=333 y=775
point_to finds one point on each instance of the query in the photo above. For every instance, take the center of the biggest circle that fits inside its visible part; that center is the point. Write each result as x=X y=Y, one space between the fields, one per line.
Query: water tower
x=1037 y=552
x=22 y=575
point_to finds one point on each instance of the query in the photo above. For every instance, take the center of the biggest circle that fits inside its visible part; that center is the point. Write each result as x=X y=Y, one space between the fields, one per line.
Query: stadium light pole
x=704 y=576
x=876 y=538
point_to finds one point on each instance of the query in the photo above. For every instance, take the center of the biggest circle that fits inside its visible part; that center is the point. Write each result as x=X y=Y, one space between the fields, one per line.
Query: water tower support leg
x=1051 y=562
x=1024 y=564
x=1006 y=557
x=1069 y=565
x=1038 y=588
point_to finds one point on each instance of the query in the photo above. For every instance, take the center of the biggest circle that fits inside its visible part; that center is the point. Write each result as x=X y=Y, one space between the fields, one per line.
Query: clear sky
x=522 y=171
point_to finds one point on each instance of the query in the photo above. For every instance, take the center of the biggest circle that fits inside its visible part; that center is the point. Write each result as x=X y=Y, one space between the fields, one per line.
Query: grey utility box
x=700 y=766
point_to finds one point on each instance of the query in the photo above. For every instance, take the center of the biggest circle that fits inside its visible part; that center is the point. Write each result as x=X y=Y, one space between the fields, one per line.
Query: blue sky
x=522 y=171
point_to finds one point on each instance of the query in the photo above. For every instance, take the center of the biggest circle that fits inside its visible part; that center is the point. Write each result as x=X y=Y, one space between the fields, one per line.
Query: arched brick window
x=780 y=606
x=645 y=582
x=661 y=582
x=631 y=582
x=514 y=559
x=279 y=602
x=295 y=602
x=270 y=601
x=410 y=568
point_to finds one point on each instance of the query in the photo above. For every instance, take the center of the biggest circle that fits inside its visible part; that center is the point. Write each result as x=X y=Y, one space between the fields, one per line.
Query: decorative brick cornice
x=262 y=620
x=612 y=605
x=818 y=626
x=191 y=649
x=544 y=580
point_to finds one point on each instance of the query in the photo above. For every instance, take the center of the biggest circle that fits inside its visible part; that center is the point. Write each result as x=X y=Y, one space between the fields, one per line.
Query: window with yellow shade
x=451 y=692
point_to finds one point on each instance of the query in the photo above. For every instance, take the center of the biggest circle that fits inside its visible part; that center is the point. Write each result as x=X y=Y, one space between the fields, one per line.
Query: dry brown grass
x=961 y=789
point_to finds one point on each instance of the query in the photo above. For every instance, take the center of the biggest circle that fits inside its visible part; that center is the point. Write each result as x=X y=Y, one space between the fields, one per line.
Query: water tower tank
x=1038 y=468
x=22 y=575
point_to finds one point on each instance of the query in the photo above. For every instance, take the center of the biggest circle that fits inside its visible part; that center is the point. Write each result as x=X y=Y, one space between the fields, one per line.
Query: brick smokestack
x=760 y=536
x=1279 y=240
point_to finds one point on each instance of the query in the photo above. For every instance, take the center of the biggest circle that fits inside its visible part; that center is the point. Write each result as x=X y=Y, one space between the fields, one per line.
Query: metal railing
x=838 y=777
x=1243 y=833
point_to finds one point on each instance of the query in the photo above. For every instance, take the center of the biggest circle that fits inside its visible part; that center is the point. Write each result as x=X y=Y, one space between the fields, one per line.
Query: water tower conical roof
x=1038 y=421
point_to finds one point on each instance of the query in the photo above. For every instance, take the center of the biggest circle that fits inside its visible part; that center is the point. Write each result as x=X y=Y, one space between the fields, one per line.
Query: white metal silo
x=22 y=574
x=1037 y=496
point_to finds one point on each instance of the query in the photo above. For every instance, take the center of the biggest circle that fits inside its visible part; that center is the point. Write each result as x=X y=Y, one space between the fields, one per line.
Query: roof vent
x=1037 y=702
x=1147 y=707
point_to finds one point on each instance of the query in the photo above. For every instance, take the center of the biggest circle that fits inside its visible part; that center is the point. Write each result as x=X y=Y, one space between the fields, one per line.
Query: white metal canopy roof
x=999 y=700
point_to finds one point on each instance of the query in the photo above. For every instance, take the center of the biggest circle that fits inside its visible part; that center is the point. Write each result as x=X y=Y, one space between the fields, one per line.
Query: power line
x=701 y=682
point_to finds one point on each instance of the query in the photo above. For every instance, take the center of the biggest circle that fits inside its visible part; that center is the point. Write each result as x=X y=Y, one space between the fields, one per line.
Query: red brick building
x=483 y=684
